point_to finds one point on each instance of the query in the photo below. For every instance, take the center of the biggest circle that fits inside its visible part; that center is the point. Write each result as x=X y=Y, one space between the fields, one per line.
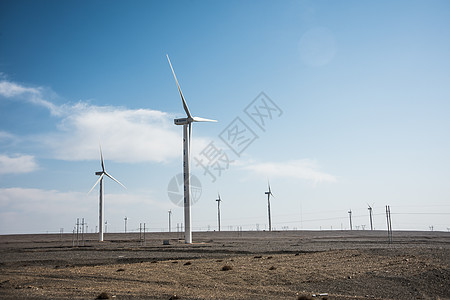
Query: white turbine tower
x=102 y=173
x=269 y=193
x=370 y=215
x=187 y=130
x=218 y=210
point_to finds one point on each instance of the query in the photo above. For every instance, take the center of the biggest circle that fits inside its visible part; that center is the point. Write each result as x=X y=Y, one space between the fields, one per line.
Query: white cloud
x=17 y=164
x=304 y=169
x=6 y=136
x=30 y=94
x=27 y=210
x=125 y=135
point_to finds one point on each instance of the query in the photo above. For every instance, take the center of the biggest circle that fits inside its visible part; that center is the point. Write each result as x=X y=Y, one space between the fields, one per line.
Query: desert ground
x=357 y=264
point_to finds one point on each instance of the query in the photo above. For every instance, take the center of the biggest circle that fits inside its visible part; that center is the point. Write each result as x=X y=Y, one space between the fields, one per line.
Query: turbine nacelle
x=184 y=121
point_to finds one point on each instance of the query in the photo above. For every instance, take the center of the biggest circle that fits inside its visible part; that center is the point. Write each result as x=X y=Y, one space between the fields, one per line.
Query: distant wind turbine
x=187 y=130
x=218 y=210
x=102 y=173
x=269 y=193
x=370 y=215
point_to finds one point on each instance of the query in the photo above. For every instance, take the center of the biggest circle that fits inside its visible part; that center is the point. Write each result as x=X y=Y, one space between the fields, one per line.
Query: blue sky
x=362 y=90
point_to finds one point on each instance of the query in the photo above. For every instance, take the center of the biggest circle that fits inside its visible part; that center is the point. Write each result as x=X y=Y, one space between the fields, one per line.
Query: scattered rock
x=103 y=296
x=226 y=268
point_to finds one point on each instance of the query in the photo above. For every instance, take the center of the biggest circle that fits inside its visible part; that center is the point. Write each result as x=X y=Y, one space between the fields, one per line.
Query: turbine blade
x=198 y=119
x=189 y=138
x=101 y=157
x=186 y=109
x=101 y=176
x=115 y=179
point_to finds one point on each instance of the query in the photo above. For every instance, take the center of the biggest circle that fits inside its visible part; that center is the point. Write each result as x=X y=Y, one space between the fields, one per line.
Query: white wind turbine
x=102 y=173
x=187 y=130
x=269 y=193
x=218 y=210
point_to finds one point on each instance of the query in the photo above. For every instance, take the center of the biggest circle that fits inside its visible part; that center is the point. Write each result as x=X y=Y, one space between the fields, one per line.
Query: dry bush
x=226 y=268
x=104 y=296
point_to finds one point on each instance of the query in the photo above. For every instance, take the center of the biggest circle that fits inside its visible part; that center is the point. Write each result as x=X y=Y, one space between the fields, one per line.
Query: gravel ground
x=261 y=265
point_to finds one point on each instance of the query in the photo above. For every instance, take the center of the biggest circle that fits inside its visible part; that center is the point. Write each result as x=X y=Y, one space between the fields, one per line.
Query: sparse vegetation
x=31 y=274
x=104 y=296
x=227 y=268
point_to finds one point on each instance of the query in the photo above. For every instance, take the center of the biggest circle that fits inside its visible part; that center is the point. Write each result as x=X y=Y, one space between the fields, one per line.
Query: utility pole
x=170 y=220
x=82 y=231
x=218 y=211
x=389 y=223
x=125 y=219
x=370 y=215
x=350 y=216
x=78 y=230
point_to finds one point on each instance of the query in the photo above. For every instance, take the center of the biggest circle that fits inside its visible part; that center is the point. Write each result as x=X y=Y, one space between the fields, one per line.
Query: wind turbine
x=218 y=209
x=187 y=130
x=102 y=173
x=269 y=193
x=370 y=215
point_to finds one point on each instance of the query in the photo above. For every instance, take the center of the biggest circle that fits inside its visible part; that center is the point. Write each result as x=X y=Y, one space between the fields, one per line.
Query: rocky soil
x=228 y=265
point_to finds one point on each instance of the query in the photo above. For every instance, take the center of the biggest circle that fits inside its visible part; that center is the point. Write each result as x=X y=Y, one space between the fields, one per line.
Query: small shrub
x=304 y=297
x=272 y=268
x=188 y=263
x=120 y=270
x=104 y=296
x=226 y=268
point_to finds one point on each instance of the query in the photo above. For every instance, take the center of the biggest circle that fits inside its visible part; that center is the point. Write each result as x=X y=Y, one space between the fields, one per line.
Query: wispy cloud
x=17 y=164
x=34 y=95
x=304 y=169
x=37 y=210
x=126 y=135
